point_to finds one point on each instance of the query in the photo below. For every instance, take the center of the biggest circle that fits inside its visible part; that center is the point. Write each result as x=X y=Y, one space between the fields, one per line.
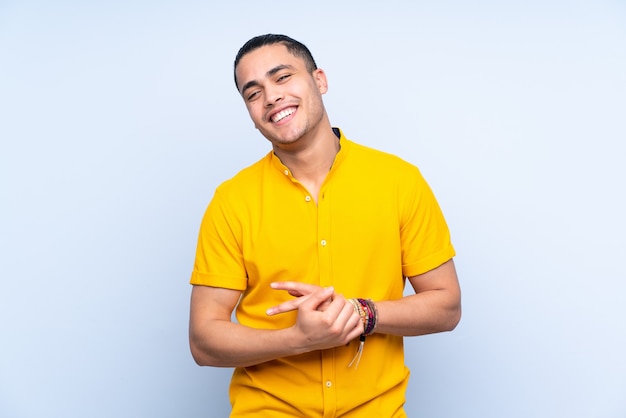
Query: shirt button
x=329 y=383
x=323 y=242
x=286 y=172
x=308 y=198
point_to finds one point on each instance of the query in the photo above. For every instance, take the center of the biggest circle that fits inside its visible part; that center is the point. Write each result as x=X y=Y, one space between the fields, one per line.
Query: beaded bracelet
x=372 y=315
x=368 y=312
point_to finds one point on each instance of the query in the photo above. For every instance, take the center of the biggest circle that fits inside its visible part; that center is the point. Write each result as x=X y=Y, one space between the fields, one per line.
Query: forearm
x=423 y=313
x=435 y=306
x=223 y=343
x=217 y=341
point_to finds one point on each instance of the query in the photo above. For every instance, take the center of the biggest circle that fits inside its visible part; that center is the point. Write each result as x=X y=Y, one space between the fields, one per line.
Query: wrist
x=367 y=310
x=294 y=340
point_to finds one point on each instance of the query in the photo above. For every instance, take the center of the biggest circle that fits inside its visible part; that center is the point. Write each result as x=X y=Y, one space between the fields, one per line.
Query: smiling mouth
x=283 y=114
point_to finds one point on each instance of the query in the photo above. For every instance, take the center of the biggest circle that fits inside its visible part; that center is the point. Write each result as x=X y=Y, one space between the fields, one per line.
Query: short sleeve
x=219 y=259
x=425 y=236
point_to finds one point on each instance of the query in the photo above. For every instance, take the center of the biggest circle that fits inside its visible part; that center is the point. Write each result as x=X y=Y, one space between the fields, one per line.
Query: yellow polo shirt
x=376 y=222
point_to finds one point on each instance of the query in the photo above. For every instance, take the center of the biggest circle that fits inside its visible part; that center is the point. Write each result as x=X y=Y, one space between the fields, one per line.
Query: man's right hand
x=324 y=320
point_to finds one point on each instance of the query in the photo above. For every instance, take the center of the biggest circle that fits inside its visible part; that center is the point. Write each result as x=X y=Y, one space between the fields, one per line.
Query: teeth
x=282 y=114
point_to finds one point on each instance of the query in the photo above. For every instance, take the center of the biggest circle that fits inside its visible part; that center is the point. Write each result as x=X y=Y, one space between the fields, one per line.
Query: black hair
x=294 y=47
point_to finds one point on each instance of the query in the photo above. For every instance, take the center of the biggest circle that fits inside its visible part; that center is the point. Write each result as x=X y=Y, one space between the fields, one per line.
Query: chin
x=290 y=138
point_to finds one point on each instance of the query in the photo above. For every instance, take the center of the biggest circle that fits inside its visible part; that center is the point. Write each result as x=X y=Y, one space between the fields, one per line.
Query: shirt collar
x=344 y=147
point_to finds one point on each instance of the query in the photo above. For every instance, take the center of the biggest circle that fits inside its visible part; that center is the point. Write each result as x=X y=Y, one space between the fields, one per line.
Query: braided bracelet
x=368 y=312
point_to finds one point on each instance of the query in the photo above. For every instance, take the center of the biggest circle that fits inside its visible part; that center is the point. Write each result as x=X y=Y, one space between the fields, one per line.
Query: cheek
x=316 y=102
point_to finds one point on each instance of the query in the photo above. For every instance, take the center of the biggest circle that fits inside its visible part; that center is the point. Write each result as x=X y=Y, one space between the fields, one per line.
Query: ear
x=320 y=80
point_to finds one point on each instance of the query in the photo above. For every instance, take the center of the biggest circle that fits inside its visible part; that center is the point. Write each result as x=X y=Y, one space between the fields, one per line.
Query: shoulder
x=379 y=162
x=246 y=178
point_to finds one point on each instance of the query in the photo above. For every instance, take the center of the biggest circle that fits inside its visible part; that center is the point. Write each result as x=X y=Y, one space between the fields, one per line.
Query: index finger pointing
x=295 y=288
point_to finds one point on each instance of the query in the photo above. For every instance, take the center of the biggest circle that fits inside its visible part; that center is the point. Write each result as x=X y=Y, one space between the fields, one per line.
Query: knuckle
x=334 y=329
x=328 y=323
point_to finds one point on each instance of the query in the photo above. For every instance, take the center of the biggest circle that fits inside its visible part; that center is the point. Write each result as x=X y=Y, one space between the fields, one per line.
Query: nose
x=273 y=95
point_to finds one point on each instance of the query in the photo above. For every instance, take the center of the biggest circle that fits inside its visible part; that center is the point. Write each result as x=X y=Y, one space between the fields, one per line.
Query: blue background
x=118 y=119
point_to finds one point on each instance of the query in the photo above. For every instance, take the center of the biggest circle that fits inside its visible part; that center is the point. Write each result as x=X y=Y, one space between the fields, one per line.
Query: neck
x=319 y=155
x=310 y=163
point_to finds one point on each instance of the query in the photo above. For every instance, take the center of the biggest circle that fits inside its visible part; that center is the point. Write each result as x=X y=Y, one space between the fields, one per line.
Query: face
x=283 y=99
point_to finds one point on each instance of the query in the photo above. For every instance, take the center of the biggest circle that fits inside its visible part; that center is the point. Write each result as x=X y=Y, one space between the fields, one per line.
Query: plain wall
x=118 y=120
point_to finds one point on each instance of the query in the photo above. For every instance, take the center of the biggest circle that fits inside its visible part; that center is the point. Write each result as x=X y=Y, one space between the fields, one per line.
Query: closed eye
x=252 y=95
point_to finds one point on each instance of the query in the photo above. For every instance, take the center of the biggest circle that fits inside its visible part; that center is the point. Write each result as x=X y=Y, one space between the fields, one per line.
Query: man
x=312 y=246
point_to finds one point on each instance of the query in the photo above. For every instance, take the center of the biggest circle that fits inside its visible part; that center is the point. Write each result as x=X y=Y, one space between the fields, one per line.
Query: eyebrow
x=271 y=72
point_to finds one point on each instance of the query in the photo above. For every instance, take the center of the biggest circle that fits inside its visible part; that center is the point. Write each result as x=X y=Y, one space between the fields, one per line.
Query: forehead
x=256 y=64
